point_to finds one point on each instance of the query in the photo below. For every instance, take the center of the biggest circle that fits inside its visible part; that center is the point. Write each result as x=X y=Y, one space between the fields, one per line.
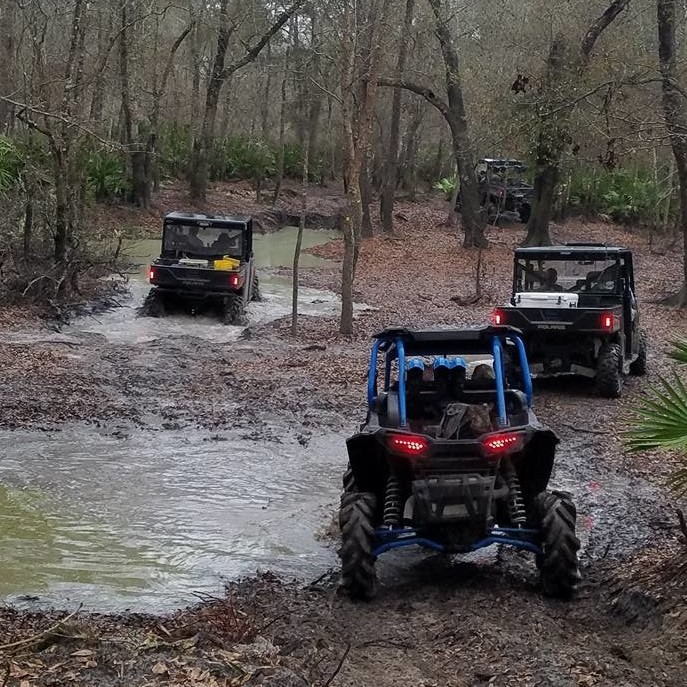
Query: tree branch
x=24 y=107
x=598 y=27
x=427 y=93
x=170 y=58
x=253 y=53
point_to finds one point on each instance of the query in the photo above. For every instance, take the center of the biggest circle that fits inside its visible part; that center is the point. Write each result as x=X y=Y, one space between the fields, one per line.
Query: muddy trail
x=147 y=463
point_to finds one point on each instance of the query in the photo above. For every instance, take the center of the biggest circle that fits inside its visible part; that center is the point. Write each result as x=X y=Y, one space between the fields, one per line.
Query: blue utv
x=452 y=458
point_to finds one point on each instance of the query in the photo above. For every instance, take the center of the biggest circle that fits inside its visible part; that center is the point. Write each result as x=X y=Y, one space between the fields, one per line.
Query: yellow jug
x=227 y=264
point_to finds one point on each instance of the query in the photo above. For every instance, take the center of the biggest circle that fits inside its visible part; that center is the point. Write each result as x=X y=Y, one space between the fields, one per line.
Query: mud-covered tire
x=609 y=381
x=153 y=305
x=558 y=565
x=356 y=519
x=255 y=295
x=638 y=366
x=233 y=310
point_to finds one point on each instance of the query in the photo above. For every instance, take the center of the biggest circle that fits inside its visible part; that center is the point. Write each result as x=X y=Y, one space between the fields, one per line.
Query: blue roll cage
x=396 y=351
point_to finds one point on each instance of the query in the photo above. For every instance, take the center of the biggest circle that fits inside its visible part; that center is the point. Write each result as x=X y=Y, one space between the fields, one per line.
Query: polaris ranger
x=577 y=309
x=206 y=261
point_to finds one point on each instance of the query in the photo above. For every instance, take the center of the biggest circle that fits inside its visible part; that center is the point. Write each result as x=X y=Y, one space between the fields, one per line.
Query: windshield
x=573 y=276
x=191 y=239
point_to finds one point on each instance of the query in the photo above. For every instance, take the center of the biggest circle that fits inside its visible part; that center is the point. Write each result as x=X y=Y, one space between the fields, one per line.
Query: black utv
x=206 y=262
x=576 y=306
x=452 y=458
x=503 y=189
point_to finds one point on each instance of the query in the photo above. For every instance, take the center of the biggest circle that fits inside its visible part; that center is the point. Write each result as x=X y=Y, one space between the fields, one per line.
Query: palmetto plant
x=661 y=419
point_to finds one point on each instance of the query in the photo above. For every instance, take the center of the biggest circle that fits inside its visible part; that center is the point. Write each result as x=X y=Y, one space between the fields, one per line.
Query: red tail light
x=151 y=275
x=408 y=445
x=498 y=317
x=501 y=444
x=609 y=322
x=234 y=280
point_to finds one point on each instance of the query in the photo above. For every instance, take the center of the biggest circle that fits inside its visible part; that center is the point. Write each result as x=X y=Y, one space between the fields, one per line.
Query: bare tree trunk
x=357 y=111
x=473 y=223
x=159 y=91
x=408 y=163
x=8 y=31
x=199 y=175
x=675 y=109
x=282 y=142
x=267 y=97
x=390 y=179
x=365 y=199
x=299 y=238
x=139 y=153
x=552 y=137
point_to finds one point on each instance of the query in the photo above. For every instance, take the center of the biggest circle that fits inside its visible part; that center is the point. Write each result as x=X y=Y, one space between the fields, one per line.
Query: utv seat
x=516 y=401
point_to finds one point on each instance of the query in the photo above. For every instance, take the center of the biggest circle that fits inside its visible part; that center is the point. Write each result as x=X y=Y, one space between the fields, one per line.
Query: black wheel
x=153 y=305
x=356 y=518
x=558 y=565
x=608 y=366
x=255 y=294
x=638 y=366
x=233 y=310
x=525 y=213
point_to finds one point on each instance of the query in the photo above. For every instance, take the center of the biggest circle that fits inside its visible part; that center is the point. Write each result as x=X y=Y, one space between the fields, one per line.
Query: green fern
x=661 y=419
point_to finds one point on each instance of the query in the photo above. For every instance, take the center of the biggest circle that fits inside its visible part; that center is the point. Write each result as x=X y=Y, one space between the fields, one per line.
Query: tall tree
x=453 y=111
x=218 y=76
x=675 y=109
x=359 y=78
x=390 y=178
x=565 y=69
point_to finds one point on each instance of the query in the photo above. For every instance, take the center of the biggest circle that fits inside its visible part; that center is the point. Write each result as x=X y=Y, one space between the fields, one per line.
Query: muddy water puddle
x=144 y=519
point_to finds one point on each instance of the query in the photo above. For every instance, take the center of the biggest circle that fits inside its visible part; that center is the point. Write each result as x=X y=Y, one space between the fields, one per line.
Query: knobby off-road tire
x=638 y=366
x=356 y=519
x=608 y=371
x=233 y=310
x=153 y=305
x=255 y=295
x=558 y=566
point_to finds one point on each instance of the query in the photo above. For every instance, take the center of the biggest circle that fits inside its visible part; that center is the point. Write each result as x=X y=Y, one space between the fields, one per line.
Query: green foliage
x=11 y=164
x=174 y=146
x=447 y=185
x=630 y=196
x=661 y=419
x=679 y=351
x=241 y=158
x=106 y=175
x=293 y=161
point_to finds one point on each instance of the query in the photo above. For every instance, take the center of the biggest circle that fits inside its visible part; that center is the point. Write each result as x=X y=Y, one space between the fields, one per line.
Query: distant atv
x=206 y=261
x=503 y=189
x=452 y=458
x=577 y=309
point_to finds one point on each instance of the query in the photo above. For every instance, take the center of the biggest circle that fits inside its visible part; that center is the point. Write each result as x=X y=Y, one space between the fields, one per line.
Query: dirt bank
x=435 y=622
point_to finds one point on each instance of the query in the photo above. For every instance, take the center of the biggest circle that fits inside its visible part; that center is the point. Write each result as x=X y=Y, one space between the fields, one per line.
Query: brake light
x=498 y=317
x=500 y=444
x=608 y=321
x=408 y=445
x=233 y=280
x=151 y=275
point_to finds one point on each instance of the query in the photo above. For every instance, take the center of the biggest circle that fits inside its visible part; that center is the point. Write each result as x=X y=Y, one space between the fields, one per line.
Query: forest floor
x=437 y=623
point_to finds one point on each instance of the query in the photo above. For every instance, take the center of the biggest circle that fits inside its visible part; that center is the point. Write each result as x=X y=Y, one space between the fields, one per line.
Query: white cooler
x=547 y=299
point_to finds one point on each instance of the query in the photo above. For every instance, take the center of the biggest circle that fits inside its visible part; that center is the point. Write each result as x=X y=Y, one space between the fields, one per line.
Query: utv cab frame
x=205 y=260
x=576 y=306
